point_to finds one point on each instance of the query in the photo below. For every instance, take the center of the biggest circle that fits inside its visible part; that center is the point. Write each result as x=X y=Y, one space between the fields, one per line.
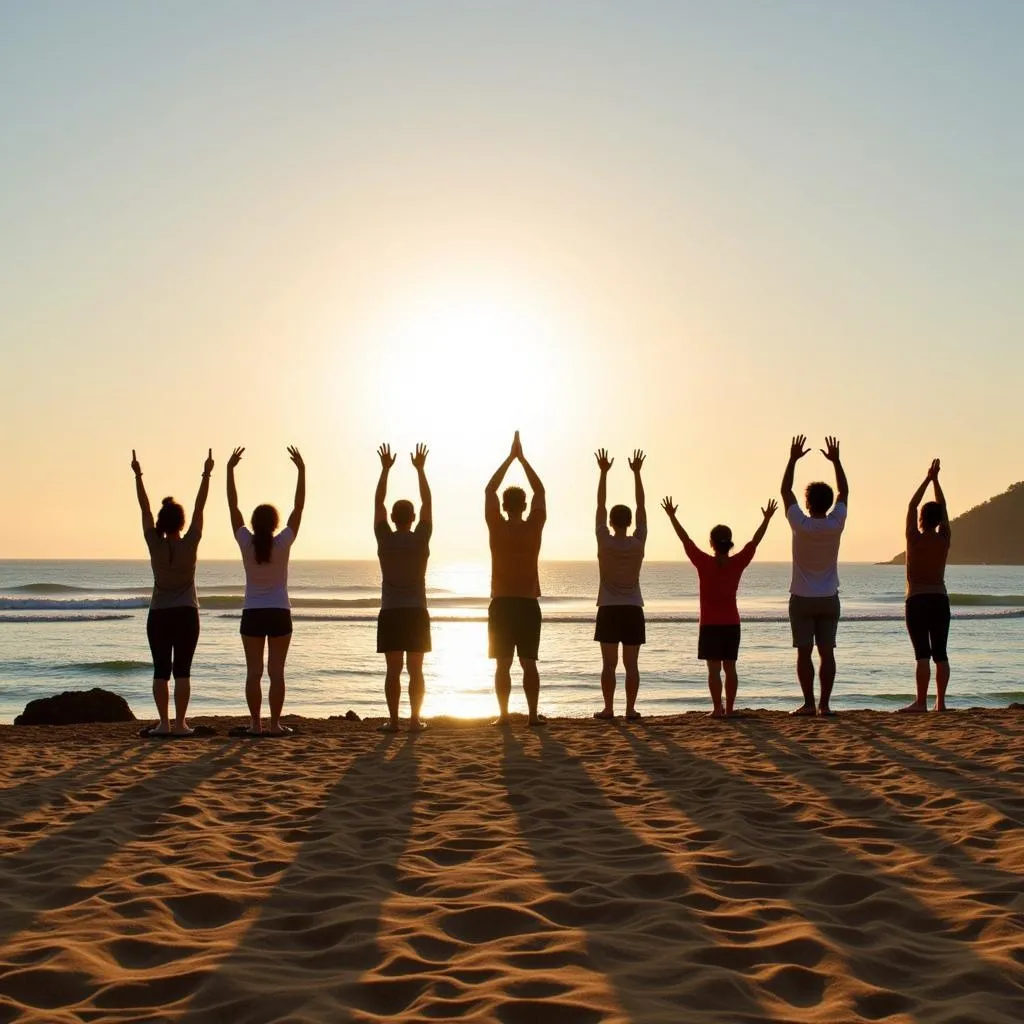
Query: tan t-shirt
x=926 y=562
x=619 y=560
x=515 y=551
x=174 y=569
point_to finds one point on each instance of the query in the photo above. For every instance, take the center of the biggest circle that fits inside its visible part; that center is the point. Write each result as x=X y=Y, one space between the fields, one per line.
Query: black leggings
x=928 y=626
x=173 y=634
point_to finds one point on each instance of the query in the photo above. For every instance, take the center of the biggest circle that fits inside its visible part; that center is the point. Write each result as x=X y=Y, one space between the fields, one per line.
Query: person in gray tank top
x=173 y=623
x=403 y=625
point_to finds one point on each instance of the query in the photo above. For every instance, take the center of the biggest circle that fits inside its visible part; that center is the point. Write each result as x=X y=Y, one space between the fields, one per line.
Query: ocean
x=77 y=624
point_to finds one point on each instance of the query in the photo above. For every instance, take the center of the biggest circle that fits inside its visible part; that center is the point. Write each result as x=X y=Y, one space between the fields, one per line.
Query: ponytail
x=264 y=523
x=170 y=519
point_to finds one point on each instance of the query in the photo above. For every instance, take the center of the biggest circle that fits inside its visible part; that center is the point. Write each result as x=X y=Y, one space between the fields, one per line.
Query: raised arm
x=419 y=460
x=538 y=504
x=237 y=522
x=940 y=498
x=831 y=452
x=196 y=526
x=767 y=512
x=492 y=508
x=796 y=453
x=603 y=464
x=636 y=464
x=295 y=519
x=915 y=500
x=670 y=511
x=140 y=493
x=380 y=509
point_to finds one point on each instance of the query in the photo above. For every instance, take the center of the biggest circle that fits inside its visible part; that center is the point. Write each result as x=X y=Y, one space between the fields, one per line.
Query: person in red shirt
x=718 y=642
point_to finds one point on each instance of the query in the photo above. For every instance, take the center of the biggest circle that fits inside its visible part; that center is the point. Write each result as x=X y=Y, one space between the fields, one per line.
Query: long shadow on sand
x=48 y=874
x=634 y=906
x=904 y=957
x=316 y=933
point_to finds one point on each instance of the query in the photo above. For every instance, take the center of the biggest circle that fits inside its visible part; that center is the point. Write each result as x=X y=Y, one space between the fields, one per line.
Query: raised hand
x=769 y=510
x=517 y=447
x=636 y=463
x=419 y=457
x=293 y=454
x=387 y=460
x=670 y=509
x=136 y=468
x=831 y=449
x=603 y=462
x=797 y=449
x=236 y=458
x=933 y=469
x=208 y=464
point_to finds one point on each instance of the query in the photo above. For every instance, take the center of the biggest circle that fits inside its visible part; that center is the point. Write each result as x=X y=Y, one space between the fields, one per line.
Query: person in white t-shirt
x=620 y=605
x=814 y=590
x=266 y=610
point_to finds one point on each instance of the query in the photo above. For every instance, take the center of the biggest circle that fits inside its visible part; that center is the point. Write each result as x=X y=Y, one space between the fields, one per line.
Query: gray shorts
x=814 y=620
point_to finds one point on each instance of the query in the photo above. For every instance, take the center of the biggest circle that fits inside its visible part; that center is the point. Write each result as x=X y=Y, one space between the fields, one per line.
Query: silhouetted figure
x=403 y=625
x=266 y=610
x=172 y=627
x=620 y=605
x=927 y=606
x=718 y=640
x=513 y=616
x=814 y=591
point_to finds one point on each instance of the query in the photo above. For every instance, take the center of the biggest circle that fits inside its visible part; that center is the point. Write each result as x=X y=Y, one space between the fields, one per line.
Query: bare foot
x=417 y=725
x=716 y=713
x=388 y=726
x=632 y=715
x=279 y=730
x=606 y=714
x=938 y=707
x=184 y=729
x=914 y=709
x=805 y=709
x=825 y=711
x=538 y=720
x=501 y=721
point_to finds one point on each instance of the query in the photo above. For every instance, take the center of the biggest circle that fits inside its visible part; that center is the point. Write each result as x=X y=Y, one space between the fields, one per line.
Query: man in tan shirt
x=513 y=616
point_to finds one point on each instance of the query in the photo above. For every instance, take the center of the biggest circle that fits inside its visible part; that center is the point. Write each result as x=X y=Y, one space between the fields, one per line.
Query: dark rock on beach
x=74 y=707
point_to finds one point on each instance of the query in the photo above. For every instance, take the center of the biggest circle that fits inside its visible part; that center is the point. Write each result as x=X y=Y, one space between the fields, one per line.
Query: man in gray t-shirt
x=403 y=625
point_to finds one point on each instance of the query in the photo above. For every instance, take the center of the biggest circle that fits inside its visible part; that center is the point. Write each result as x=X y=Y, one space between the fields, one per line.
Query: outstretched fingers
x=769 y=510
x=666 y=504
x=419 y=457
x=636 y=463
x=603 y=462
x=293 y=454
x=236 y=458
x=387 y=460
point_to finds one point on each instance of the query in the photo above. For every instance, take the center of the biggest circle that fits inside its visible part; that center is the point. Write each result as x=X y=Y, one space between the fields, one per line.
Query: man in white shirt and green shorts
x=814 y=591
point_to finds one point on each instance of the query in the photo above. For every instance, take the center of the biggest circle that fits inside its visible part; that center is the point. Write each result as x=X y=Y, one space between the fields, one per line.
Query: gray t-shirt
x=619 y=560
x=174 y=569
x=403 y=558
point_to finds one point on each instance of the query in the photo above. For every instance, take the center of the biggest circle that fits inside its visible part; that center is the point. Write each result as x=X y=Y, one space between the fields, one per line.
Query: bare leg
x=941 y=682
x=805 y=675
x=393 y=685
x=732 y=684
x=417 y=687
x=531 y=687
x=922 y=676
x=609 y=663
x=161 y=698
x=253 y=646
x=715 y=687
x=630 y=659
x=182 y=693
x=503 y=685
x=827 y=673
x=278 y=652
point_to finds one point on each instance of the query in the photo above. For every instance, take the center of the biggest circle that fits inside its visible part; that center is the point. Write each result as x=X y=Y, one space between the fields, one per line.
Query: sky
x=692 y=228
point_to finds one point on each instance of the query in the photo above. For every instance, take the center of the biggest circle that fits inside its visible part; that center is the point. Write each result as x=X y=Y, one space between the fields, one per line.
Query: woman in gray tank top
x=173 y=624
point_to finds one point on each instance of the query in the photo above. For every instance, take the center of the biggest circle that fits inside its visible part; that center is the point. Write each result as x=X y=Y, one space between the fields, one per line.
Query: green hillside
x=991 y=533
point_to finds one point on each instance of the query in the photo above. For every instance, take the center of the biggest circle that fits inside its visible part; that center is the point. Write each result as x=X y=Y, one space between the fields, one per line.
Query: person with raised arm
x=403 y=625
x=266 y=610
x=620 y=605
x=814 y=607
x=927 y=607
x=172 y=626
x=513 y=615
x=718 y=639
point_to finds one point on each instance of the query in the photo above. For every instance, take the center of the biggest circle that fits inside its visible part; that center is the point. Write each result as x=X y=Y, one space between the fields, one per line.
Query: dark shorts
x=928 y=625
x=814 y=620
x=718 y=643
x=173 y=634
x=403 y=629
x=266 y=622
x=513 y=624
x=621 y=624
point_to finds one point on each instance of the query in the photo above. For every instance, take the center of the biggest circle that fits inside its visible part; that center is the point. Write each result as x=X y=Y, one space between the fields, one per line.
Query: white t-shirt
x=619 y=560
x=816 y=551
x=266 y=585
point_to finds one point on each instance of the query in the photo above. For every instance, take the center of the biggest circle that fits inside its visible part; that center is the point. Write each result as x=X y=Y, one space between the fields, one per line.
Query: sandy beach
x=863 y=868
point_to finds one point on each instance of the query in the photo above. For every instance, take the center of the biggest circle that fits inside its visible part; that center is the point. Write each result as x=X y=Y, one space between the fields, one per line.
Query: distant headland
x=991 y=533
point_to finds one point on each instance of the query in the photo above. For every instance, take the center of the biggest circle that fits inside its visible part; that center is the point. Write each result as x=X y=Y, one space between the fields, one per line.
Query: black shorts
x=928 y=625
x=403 y=629
x=513 y=624
x=173 y=634
x=718 y=643
x=621 y=624
x=266 y=622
